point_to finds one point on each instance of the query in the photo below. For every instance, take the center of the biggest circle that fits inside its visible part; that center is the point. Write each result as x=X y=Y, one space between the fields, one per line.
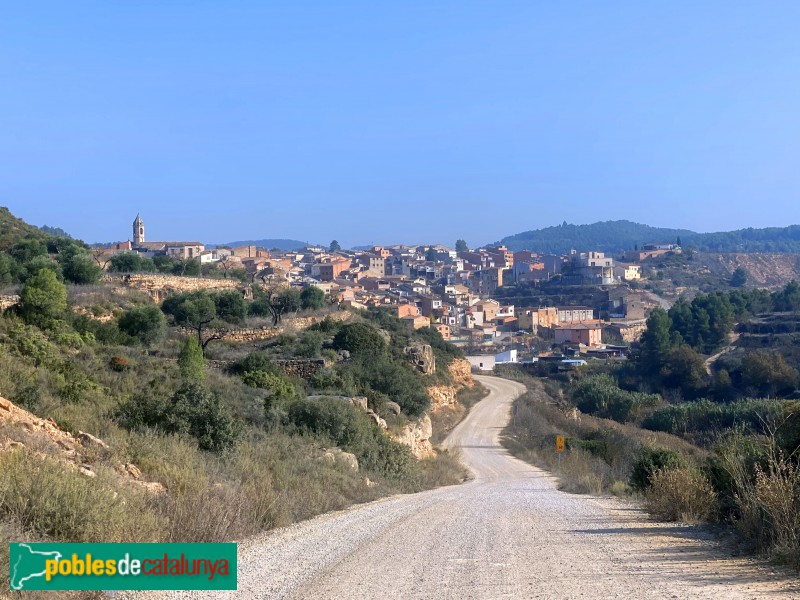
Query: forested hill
x=616 y=236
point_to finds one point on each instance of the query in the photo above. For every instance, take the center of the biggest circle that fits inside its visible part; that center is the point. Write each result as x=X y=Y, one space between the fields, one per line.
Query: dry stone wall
x=158 y=285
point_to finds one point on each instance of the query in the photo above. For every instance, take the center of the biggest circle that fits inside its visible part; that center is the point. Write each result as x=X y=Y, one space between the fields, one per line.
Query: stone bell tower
x=138 y=231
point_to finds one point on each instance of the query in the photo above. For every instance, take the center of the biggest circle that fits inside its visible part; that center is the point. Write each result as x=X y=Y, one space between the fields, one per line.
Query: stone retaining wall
x=159 y=285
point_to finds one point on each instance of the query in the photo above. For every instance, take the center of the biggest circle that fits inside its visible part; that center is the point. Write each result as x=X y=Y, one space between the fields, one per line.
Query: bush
x=191 y=362
x=256 y=361
x=309 y=344
x=600 y=395
x=393 y=377
x=348 y=427
x=43 y=299
x=231 y=306
x=312 y=298
x=651 y=461
x=192 y=410
x=359 y=338
x=681 y=494
x=144 y=323
x=80 y=268
x=707 y=416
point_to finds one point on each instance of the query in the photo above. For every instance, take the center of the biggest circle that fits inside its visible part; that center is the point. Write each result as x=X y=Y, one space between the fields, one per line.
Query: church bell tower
x=138 y=231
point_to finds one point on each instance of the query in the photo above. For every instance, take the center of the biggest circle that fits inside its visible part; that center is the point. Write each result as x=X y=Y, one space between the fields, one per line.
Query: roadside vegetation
x=698 y=439
x=235 y=449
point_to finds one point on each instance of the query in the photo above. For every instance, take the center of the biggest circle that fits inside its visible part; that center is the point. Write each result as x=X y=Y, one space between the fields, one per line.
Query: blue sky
x=393 y=122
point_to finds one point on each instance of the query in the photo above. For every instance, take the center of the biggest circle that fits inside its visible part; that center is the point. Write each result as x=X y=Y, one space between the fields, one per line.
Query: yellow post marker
x=559 y=443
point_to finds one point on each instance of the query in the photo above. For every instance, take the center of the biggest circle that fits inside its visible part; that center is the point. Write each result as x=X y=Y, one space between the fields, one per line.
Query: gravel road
x=508 y=533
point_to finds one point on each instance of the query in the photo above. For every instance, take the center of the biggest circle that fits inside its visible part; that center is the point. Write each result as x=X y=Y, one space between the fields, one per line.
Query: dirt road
x=509 y=533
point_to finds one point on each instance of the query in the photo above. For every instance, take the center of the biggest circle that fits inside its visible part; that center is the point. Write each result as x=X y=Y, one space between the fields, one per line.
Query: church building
x=181 y=250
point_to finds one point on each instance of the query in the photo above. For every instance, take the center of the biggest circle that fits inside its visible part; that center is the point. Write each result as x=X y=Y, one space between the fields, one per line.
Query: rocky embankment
x=418 y=432
x=83 y=452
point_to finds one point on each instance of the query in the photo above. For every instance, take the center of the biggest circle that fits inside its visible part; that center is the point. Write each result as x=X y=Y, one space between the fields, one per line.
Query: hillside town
x=459 y=292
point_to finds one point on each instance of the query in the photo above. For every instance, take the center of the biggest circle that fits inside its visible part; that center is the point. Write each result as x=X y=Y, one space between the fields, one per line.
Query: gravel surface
x=508 y=533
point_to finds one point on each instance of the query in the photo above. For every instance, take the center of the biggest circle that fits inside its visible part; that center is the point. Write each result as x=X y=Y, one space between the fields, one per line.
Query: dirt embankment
x=764 y=270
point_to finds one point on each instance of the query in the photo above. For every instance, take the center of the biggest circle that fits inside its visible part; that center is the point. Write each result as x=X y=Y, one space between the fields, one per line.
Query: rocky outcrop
x=417 y=436
x=461 y=372
x=447 y=395
x=421 y=356
x=8 y=302
x=357 y=401
x=338 y=456
x=442 y=396
x=43 y=437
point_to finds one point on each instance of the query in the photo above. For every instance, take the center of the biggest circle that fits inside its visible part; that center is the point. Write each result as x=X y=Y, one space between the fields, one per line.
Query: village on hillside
x=499 y=306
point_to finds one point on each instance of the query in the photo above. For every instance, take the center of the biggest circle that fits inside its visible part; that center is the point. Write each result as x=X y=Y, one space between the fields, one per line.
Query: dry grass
x=600 y=453
x=682 y=494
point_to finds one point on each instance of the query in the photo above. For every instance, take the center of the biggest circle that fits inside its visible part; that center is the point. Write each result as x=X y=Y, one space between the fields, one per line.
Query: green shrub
x=348 y=427
x=144 y=323
x=650 y=461
x=312 y=298
x=359 y=338
x=309 y=344
x=192 y=410
x=707 y=416
x=191 y=362
x=391 y=376
x=256 y=361
x=600 y=395
x=231 y=306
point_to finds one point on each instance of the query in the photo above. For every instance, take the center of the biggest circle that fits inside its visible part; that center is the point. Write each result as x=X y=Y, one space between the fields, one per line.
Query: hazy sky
x=394 y=122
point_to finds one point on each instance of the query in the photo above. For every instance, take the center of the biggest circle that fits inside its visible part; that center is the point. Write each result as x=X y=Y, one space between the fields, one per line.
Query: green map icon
x=27 y=564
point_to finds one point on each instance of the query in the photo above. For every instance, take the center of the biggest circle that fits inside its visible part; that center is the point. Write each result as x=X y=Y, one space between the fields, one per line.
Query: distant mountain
x=617 y=236
x=269 y=244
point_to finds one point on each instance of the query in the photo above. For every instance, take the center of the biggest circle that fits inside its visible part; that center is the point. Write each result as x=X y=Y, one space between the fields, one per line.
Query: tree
x=231 y=306
x=43 y=299
x=79 y=268
x=312 y=298
x=431 y=255
x=461 y=246
x=101 y=258
x=277 y=303
x=145 y=323
x=191 y=362
x=678 y=241
x=25 y=250
x=130 y=262
x=767 y=373
x=685 y=369
x=655 y=342
x=189 y=267
x=334 y=247
x=359 y=338
x=739 y=277
x=194 y=310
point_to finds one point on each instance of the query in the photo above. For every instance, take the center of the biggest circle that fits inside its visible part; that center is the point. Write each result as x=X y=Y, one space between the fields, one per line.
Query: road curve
x=508 y=533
